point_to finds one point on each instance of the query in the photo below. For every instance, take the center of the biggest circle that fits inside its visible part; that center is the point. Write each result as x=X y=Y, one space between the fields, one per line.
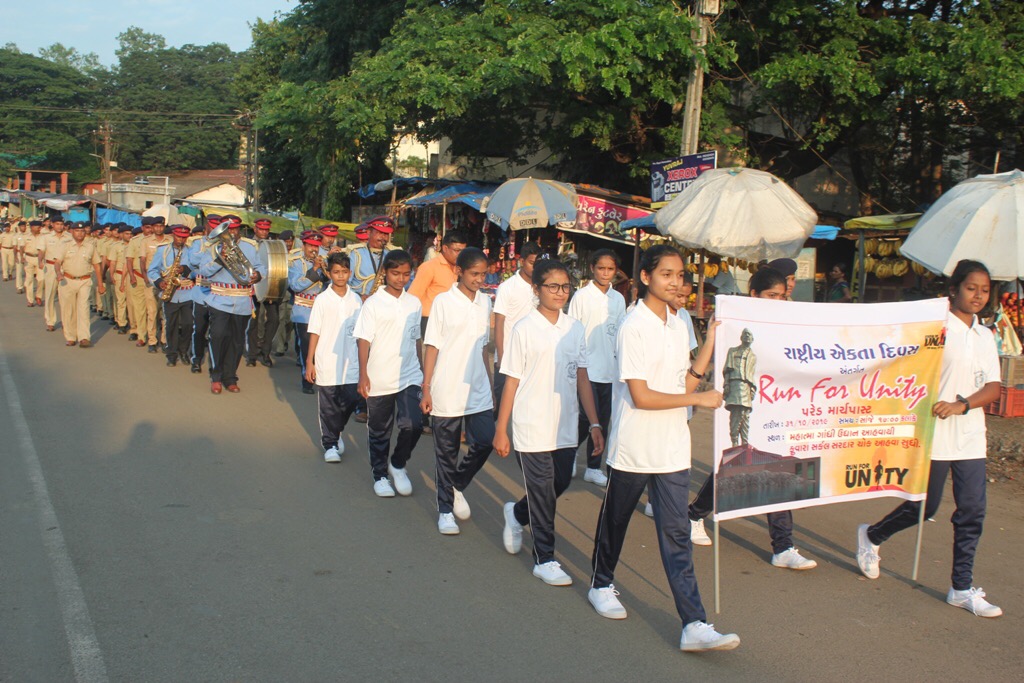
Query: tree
x=87 y=63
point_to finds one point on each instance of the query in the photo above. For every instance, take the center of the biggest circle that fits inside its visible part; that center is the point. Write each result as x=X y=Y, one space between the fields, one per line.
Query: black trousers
x=178 y=322
x=603 y=402
x=227 y=339
x=450 y=472
x=545 y=476
x=335 y=405
x=668 y=493
x=968 y=517
x=499 y=387
x=402 y=408
x=261 y=333
x=200 y=326
x=780 y=524
x=301 y=350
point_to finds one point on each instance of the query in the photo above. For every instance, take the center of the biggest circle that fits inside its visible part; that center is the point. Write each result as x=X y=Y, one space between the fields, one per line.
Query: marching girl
x=456 y=388
x=969 y=380
x=649 y=446
x=545 y=368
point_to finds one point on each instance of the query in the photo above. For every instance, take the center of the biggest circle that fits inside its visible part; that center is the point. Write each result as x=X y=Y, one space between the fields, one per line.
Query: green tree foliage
x=87 y=63
x=34 y=133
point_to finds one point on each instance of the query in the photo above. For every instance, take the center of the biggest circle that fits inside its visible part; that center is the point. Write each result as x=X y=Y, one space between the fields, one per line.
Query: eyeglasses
x=554 y=288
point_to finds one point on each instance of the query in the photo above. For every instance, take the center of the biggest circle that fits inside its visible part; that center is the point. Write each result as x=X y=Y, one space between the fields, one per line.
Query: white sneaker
x=446 y=524
x=698 y=535
x=595 y=477
x=382 y=487
x=606 y=603
x=574 y=468
x=649 y=510
x=459 y=506
x=973 y=600
x=340 y=447
x=512 y=536
x=402 y=483
x=867 y=553
x=551 y=573
x=698 y=636
x=792 y=559
x=332 y=455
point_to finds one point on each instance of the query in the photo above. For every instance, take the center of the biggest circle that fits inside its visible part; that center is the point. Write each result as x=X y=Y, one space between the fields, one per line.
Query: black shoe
x=278 y=355
x=307 y=389
x=171 y=361
x=196 y=368
x=360 y=417
x=133 y=337
x=121 y=330
x=250 y=362
x=266 y=362
x=153 y=349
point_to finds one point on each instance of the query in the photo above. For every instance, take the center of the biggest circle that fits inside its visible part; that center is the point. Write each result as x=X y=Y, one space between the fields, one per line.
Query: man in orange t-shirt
x=438 y=274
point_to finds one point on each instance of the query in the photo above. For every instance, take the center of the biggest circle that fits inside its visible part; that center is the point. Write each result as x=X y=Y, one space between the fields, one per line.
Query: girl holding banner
x=649 y=446
x=969 y=380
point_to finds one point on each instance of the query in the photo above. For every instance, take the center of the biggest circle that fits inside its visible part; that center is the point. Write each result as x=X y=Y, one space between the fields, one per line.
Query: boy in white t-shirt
x=332 y=361
x=649 y=446
x=601 y=310
x=456 y=388
x=546 y=367
x=513 y=301
x=388 y=334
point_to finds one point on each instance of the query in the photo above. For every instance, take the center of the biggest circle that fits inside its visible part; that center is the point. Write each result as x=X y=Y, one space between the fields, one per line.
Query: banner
x=824 y=403
x=602 y=218
x=672 y=176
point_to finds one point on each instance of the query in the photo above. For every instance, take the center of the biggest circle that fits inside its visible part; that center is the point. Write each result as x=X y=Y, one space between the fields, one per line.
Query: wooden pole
x=700 y=285
x=636 y=263
x=920 y=537
x=862 y=276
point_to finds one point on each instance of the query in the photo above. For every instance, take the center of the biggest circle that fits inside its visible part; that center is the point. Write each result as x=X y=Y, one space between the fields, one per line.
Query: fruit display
x=709 y=304
x=1013 y=308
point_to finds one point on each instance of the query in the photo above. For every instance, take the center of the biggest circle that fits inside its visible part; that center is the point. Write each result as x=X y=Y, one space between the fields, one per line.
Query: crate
x=1012 y=371
x=1010 y=404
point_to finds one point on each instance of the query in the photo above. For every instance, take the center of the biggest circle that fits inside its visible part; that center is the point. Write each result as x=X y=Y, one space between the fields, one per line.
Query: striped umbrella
x=524 y=203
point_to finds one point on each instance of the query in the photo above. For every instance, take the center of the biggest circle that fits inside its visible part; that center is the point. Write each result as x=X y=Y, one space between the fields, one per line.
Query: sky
x=93 y=25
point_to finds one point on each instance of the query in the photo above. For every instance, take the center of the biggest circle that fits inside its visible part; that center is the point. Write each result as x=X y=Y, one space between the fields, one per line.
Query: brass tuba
x=229 y=255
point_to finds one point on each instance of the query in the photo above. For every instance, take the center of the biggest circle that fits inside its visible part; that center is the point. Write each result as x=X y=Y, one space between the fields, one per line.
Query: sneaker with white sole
x=512 y=535
x=402 y=483
x=382 y=487
x=459 y=506
x=606 y=602
x=595 y=476
x=341 y=447
x=792 y=559
x=698 y=637
x=867 y=553
x=698 y=534
x=332 y=455
x=973 y=600
x=574 y=469
x=446 y=524
x=649 y=510
x=551 y=573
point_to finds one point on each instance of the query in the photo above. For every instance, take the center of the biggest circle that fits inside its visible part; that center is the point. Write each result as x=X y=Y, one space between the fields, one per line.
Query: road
x=150 y=531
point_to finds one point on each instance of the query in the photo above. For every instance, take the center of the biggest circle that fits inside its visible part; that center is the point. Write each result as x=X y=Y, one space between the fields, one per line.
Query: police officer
x=52 y=247
x=137 y=283
x=30 y=252
x=117 y=268
x=75 y=264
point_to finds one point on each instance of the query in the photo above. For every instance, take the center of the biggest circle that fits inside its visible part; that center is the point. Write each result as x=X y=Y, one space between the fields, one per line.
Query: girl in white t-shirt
x=649 y=446
x=545 y=365
x=969 y=380
x=456 y=388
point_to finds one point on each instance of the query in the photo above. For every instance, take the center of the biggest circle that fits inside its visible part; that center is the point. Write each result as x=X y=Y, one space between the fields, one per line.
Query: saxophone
x=379 y=280
x=170 y=277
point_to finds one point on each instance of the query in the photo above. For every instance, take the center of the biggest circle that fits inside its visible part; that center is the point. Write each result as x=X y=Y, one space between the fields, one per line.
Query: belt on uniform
x=119 y=272
x=32 y=255
x=304 y=300
x=222 y=289
x=51 y=262
x=76 y=277
x=185 y=284
x=7 y=248
x=137 y=273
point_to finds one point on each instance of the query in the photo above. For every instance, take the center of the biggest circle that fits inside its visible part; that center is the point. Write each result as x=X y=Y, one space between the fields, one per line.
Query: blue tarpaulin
x=821 y=232
x=115 y=216
x=472 y=194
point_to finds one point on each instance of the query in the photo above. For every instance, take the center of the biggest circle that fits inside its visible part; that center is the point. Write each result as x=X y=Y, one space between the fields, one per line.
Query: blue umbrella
x=524 y=203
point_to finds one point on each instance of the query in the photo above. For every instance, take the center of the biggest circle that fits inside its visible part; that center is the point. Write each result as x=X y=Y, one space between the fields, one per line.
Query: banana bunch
x=710 y=270
x=900 y=267
x=870 y=246
x=870 y=262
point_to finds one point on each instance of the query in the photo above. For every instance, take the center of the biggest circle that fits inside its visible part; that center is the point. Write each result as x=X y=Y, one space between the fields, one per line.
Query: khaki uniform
x=116 y=254
x=7 y=254
x=137 y=291
x=20 y=240
x=33 y=276
x=102 y=244
x=154 y=311
x=77 y=262
x=52 y=247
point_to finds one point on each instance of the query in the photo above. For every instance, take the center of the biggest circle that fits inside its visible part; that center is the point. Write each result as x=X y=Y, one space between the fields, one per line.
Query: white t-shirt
x=458 y=329
x=333 y=318
x=514 y=300
x=650 y=441
x=544 y=358
x=392 y=326
x=969 y=362
x=601 y=315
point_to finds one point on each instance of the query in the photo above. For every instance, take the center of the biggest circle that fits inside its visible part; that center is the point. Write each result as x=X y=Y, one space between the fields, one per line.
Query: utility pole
x=255 y=169
x=107 y=153
x=706 y=10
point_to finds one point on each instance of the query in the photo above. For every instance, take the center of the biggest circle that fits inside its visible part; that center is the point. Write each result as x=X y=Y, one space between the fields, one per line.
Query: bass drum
x=274 y=254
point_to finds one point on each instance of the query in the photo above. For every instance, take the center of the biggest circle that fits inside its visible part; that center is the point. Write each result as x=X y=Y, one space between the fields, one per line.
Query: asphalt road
x=150 y=531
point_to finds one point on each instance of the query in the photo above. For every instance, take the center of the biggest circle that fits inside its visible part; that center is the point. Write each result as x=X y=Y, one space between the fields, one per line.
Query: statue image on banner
x=739 y=390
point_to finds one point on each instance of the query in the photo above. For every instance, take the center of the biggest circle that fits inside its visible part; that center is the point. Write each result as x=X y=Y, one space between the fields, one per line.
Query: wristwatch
x=967 y=404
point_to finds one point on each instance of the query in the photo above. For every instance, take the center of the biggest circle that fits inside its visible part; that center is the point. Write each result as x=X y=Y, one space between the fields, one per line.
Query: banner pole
x=718 y=597
x=920 y=536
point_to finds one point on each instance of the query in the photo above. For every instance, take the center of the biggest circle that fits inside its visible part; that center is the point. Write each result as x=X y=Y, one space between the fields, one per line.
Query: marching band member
x=177 y=312
x=268 y=314
x=329 y=240
x=230 y=304
x=332 y=362
x=200 y=293
x=285 y=328
x=306 y=279
x=390 y=375
x=367 y=258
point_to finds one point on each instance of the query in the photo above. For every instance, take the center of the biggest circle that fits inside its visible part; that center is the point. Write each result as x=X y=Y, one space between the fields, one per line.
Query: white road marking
x=86 y=658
